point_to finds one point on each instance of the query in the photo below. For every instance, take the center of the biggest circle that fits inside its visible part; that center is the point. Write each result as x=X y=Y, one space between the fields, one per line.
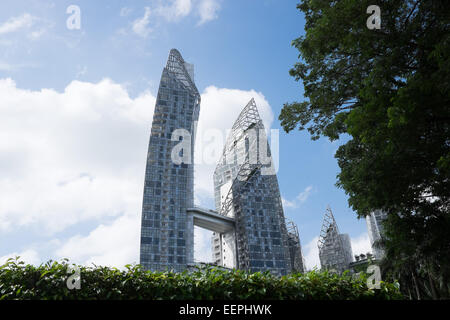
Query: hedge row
x=49 y=281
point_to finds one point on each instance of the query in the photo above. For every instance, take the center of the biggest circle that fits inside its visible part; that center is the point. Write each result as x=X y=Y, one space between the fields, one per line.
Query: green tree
x=389 y=90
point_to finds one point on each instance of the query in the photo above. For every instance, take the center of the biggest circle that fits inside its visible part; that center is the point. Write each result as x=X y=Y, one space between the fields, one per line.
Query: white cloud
x=288 y=204
x=16 y=23
x=170 y=11
x=141 y=26
x=74 y=156
x=218 y=110
x=125 y=11
x=35 y=35
x=301 y=198
x=29 y=256
x=82 y=70
x=304 y=195
x=208 y=10
x=115 y=244
x=5 y=66
x=202 y=245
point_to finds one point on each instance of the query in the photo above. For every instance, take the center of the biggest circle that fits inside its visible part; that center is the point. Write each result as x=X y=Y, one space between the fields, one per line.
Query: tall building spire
x=183 y=71
x=249 y=225
x=166 y=233
x=335 y=251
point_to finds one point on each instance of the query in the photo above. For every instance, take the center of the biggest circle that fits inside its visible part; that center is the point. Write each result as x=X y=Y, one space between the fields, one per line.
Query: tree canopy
x=389 y=90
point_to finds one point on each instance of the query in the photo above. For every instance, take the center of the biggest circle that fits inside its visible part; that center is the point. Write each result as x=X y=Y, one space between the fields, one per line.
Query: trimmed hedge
x=49 y=282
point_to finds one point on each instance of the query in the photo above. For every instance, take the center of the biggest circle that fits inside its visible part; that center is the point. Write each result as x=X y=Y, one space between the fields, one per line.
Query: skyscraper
x=249 y=227
x=246 y=189
x=375 y=229
x=335 y=250
x=166 y=233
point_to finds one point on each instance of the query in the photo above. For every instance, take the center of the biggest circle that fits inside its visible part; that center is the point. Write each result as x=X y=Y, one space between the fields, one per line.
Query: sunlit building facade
x=375 y=229
x=166 y=233
x=295 y=248
x=250 y=231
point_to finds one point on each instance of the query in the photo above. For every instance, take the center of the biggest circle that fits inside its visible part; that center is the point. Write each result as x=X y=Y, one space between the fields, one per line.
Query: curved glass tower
x=246 y=189
x=166 y=233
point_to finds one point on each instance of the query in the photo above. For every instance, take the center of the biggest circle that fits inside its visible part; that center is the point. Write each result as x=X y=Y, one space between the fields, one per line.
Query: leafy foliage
x=389 y=90
x=48 y=282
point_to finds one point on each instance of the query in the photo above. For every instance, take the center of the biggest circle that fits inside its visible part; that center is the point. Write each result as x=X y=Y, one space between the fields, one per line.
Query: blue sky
x=77 y=105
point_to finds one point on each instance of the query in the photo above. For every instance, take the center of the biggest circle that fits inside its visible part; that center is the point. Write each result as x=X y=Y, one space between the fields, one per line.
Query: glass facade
x=166 y=233
x=335 y=250
x=295 y=248
x=246 y=188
